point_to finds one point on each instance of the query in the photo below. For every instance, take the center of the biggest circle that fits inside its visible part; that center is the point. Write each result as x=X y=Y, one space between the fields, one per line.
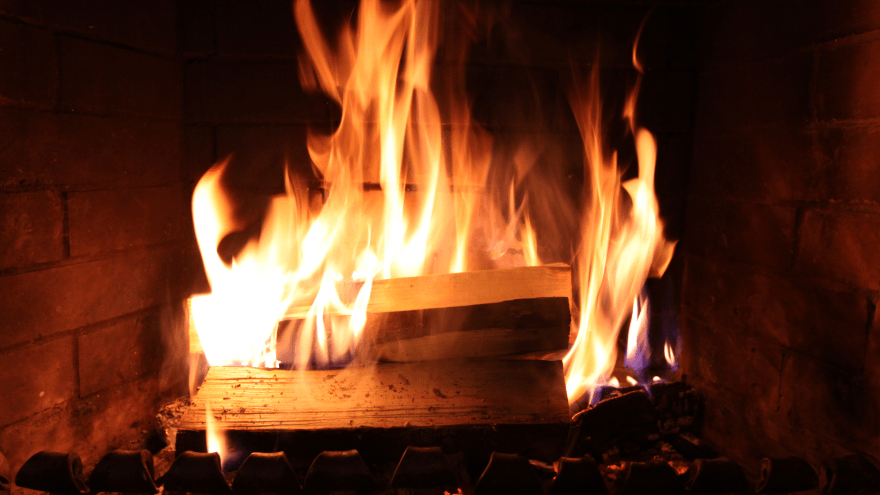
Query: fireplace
x=762 y=114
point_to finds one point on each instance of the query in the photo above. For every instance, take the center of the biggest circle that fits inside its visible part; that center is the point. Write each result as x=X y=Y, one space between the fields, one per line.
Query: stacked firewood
x=452 y=361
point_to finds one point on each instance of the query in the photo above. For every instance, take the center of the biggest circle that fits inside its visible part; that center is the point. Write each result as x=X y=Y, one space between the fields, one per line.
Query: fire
x=622 y=242
x=433 y=212
x=215 y=438
x=435 y=209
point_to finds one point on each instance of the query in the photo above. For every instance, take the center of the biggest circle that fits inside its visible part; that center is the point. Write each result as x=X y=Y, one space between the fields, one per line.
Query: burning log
x=460 y=315
x=518 y=406
x=677 y=405
x=628 y=422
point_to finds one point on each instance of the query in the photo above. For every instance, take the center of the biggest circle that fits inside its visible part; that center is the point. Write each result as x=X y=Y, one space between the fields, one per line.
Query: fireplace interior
x=765 y=116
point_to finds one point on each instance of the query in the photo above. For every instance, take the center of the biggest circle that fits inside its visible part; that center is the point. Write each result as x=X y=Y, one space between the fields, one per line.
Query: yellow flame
x=322 y=260
x=216 y=439
x=669 y=354
x=622 y=241
x=637 y=337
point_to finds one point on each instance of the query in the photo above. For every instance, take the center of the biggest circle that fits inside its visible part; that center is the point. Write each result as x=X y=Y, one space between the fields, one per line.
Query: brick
x=27 y=65
x=750 y=29
x=832 y=403
x=102 y=221
x=101 y=78
x=263 y=28
x=740 y=363
x=31 y=223
x=845 y=170
x=746 y=432
x=36 y=378
x=198 y=152
x=753 y=29
x=826 y=324
x=42 y=303
x=766 y=92
x=250 y=91
x=193 y=271
x=149 y=25
x=845 y=85
x=259 y=154
x=760 y=234
x=137 y=352
x=74 y=150
x=763 y=164
x=840 y=246
x=91 y=427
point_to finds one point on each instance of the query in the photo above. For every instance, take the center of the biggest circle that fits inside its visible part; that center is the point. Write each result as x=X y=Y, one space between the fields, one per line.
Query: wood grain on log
x=524 y=402
x=449 y=290
x=472 y=314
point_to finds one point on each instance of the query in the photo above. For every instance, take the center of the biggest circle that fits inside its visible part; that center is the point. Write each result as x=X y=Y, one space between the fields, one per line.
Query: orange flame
x=622 y=241
x=322 y=264
x=215 y=438
x=319 y=263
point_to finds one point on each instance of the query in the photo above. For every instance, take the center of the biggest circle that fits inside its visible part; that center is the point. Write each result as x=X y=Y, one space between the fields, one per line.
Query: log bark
x=520 y=406
x=460 y=315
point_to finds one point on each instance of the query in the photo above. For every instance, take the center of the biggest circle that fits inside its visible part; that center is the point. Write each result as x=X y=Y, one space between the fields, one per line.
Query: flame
x=397 y=202
x=638 y=349
x=429 y=209
x=216 y=439
x=622 y=240
x=669 y=354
